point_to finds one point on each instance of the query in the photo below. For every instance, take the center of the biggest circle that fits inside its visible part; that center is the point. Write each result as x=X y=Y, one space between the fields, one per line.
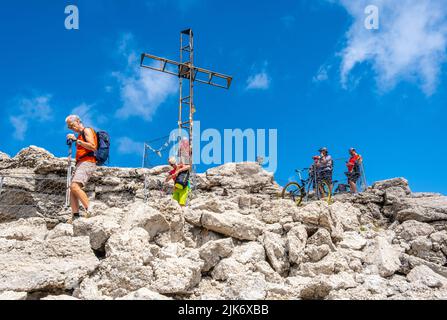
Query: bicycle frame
x=306 y=184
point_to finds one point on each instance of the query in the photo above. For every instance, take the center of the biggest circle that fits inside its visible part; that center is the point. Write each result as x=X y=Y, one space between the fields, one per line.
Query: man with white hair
x=180 y=175
x=86 y=145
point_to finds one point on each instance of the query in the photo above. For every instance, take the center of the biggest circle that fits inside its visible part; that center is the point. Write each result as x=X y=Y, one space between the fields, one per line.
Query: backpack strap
x=91 y=153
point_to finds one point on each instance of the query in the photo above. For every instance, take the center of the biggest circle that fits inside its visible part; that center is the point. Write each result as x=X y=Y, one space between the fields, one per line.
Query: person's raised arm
x=186 y=167
x=90 y=143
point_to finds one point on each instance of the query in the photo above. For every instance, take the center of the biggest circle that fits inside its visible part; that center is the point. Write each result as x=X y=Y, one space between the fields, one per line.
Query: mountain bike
x=302 y=190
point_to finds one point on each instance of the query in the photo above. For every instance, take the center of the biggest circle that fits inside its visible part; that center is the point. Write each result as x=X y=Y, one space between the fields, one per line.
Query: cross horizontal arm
x=183 y=70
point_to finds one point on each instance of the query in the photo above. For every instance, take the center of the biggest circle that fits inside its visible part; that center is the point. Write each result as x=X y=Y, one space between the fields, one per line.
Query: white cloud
x=142 y=90
x=258 y=81
x=322 y=74
x=410 y=44
x=89 y=115
x=128 y=146
x=36 y=108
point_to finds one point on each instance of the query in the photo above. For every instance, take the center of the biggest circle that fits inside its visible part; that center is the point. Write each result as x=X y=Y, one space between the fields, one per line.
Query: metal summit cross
x=187 y=74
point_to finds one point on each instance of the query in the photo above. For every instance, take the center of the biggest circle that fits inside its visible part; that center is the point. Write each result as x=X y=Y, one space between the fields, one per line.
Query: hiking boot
x=73 y=217
x=88 y=213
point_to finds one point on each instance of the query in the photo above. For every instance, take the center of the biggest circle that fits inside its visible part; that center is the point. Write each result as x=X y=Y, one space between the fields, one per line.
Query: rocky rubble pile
x=236 y=240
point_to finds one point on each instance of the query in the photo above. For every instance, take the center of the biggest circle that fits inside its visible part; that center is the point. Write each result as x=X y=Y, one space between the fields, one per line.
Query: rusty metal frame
x=187 y=74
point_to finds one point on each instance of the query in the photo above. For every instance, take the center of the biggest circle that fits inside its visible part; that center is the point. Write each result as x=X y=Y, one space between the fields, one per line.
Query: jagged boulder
x=296 y=242
x=177 y=270
x=353 y=240
x=426 y=276
x=233 y=224
x=384 y=256
x=213 y=251
x=276 y=251
x=400 y=183
x=248 y=286
x=146 y=217
x=249 y=176
x=144 y=294
x=126 y=267
x=98 y=228
x=38 y=159
x=4 y=157
x=35 y=265
x=234 y=240
x=61 y=230
x=318 y=214
x=13 y=295
x=412 y=229
x=24 y=229
x=423 y=209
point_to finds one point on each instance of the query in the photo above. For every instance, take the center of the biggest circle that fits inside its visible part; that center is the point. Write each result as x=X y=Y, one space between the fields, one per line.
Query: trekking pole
x=364 y=182
x=67 y=193
x=1 y=185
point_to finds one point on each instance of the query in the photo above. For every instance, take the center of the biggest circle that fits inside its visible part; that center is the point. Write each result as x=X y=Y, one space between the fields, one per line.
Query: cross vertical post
x=188 y=74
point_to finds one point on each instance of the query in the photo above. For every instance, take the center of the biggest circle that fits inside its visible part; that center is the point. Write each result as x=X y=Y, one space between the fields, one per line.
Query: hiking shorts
x=180 y=195
x=325 y=175
x=84 y=172
x=353 y=176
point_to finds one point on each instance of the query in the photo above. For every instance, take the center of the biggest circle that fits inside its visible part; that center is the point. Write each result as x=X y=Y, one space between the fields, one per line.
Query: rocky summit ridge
x=236 y=239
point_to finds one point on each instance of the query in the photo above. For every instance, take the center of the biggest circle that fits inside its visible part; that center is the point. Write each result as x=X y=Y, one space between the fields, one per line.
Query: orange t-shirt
x=352 y=161
x=81 y=151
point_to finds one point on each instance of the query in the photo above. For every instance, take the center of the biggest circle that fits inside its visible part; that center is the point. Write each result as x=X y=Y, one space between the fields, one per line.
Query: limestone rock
x=4 y=156
x=227 y=267
x=427 y=276
x=249 y=252
x=274 y=211
x=213 y=251
x=126 y=267
x=423 y=209
x=353 y=240
x=251 y=286
x=296 y=242
x=239 y=176
x=209 y=204
x=275 y=249
x=235 y=240
x=60 y=297
x=233 y=224
x=319 y=214
x=177 y=274
x=98 y=228
x=320 y=237
x=43 y=265
x=384 y=256
x=61 y=230
x=13 y=295
x=24 y=229
x=144 y=294
x=412 y=229
x=393 y=183
x=147 y=218
x=346 y=214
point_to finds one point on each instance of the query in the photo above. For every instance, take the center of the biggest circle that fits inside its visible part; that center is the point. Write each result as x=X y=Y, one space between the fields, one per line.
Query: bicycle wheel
x=324 y=192
x=294 y=192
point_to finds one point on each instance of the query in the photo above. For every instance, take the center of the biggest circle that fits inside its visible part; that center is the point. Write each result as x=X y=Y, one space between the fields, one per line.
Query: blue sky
x=306 y=68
